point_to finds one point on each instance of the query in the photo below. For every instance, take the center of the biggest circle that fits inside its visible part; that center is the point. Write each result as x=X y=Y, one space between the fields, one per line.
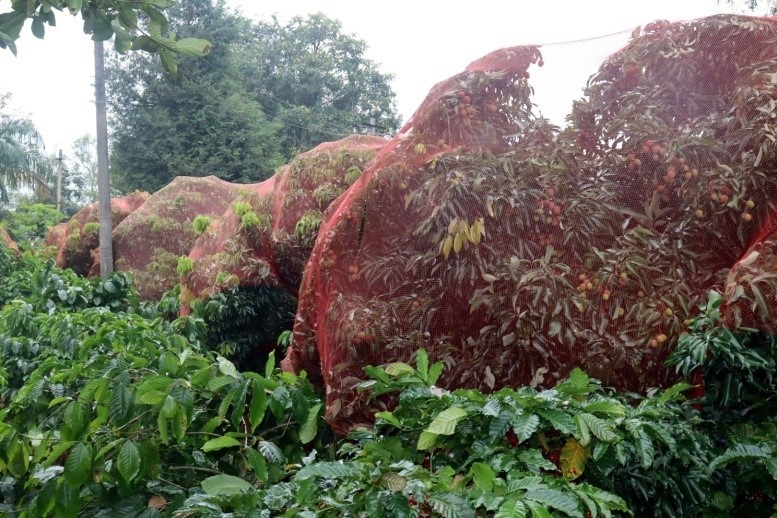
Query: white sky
x=420 y=42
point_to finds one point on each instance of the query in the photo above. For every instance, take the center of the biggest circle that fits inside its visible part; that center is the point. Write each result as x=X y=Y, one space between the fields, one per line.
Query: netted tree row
x=515 y=252
x=77 y=240
x=247 y=265
x=149 y=242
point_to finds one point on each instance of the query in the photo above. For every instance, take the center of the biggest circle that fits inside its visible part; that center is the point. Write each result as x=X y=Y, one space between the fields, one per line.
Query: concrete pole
x=103 y=180
x=59 y=181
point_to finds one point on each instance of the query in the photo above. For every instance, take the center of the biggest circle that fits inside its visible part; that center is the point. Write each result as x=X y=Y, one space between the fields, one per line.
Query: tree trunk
x=103 y=180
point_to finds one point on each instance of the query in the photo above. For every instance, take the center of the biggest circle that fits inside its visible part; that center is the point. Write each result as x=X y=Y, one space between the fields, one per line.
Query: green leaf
x=499 y=426
x=558 y=419
x=535 y=462
x=120 y=405
x=38 y=29
x=214 y=384
x=78 y=466
x=583 y=432
x=524 y=426
x=512 y=508
x=393 y=481
x=533 y=482
x=56 y=452
x=601 y=429
x=269 y=366
x=446 y=421
x=128 y=461
x=309 y=428
x=161 y=424
x=426 y=440
x=219 y=443
x=435 y=371
x=388 y=418
x=239 y=404
x=483 y=476
x=58 y=401
x=152 y=397
x=68 y=501
x=76 y=420
x=227 y=368
x=606 y=408
x=153 y=384
x=258 y=405
x=169 y=408
x=576 y=385
x=741 y=452
x=554 y=499
x=398 y=369
x=422 y=364
x=449 y=505
x=330 y=470
x=300 y=406
x=193 y=47
x=74 y=6
x=645 y=450
x=271 y=452
x=224 y=485
x=18 y=456
x=258 y=464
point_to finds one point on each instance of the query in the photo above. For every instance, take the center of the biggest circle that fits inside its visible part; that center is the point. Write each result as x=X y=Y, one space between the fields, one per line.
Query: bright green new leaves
x=220 y=443
x=444 y=424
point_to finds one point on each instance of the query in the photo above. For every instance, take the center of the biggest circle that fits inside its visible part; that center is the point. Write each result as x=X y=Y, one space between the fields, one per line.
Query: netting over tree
x=514 y=251
x=77 y=241
x=149 y=242
x=254 y=255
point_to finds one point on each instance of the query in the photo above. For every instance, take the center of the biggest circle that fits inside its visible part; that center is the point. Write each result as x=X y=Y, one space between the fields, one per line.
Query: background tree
x=314 y=79
x=203 y=122
x=80 y=183
x=265 y=92
x=22 y=160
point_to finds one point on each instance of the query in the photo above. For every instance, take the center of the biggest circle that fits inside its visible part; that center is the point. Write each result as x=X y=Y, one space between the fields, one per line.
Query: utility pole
x=59 y=181
x=103 y=180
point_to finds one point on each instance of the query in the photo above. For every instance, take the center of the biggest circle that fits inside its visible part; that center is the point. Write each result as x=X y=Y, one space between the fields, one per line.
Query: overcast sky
x=421 y=42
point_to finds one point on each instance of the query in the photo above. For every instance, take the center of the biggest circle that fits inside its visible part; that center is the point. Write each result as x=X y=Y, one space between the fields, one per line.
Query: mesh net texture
x=514 y=251
x=149 y=242
x=77 y=241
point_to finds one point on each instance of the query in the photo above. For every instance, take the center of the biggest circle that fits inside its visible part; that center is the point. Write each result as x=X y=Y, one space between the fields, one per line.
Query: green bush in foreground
x=109 y=409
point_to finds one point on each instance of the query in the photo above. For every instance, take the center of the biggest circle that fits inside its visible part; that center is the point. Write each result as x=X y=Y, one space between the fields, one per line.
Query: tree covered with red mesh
x=8 y=241
x=77 y=241
x=149 y=242
x=247 y=265
x=514 y=251
x=265 y=237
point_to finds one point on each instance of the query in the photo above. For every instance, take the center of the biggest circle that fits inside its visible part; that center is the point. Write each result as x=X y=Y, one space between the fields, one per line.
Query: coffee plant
x=111 y=407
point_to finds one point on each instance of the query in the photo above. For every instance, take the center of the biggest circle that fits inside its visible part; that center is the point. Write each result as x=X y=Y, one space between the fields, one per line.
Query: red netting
x=265 y=238
x=8 y=241
x=77 y=241
x=149 y=242
x=514 y=251
x=750 y=299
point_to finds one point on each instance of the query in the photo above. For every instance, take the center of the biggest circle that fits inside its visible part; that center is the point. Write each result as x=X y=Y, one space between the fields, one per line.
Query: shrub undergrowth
x=113 y=408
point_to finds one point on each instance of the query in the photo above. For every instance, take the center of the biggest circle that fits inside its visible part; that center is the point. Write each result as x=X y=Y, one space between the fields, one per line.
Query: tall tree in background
x=264 y=93
x=203 y=122
x=22 y=160
x=316 y=80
